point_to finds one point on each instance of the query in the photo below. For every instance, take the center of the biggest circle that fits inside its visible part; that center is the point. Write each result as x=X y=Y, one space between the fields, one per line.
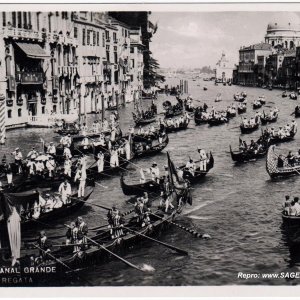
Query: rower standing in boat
x=81 y=177
x=281 y=133
x=294 y=127
x=31 y=167
x=40 y=167
x=67 y=153
x=67 y=167
x=85 y=143
x=9 y=174
x=127 y=149
x=51 y=165
x=203 y=159
x=105 y=125
x=117 y=225
x=51 y=150
x=290 y=159
x=110 y=219
x=72 y=236
x=84 y=129
x=18 y=159
x=65 y=191
x=100 y=161
x=280 y=161
x=44 y=245
x=33 y=154
x=166 y=201
x=82 y=231
x=114 y=157
x=154 y=171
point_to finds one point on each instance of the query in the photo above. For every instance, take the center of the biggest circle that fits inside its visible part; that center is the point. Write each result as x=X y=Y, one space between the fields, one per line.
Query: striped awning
x=33 y=50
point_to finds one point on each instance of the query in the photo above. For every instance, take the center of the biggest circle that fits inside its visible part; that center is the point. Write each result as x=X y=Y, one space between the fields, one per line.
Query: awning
x=33 y=50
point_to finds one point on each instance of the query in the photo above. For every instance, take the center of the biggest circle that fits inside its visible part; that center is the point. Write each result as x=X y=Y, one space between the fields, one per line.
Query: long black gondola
x=68 y=128
x=244 y=156
x=297 y=111
x=198 y=174
x=277 y=140
x=25 y=202
x=293 y=96
x=249 y=128
x=291 y=225
x=153 y=150
x=139 y=120
x=269 y=119
x=173 y=128
x=217 y=121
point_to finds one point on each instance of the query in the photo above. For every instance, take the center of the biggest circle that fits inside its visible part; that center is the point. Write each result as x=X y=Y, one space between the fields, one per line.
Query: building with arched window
x=284 y=31
x=223 y=70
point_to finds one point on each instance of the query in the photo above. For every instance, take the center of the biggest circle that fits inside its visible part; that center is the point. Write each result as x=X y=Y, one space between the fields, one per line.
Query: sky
x=196 y=39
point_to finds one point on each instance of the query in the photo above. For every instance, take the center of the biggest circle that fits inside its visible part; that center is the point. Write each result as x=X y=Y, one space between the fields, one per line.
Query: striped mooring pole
x=2 y=120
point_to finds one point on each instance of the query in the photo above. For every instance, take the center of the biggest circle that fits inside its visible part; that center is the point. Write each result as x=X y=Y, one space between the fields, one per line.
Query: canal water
x=238 y=205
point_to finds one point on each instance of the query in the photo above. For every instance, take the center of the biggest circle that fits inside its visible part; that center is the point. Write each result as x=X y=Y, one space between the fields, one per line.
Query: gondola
x=142 y=121
x=198 y=118
x=291 y=225
x=151 y=187
x=284 y=94
x=182 y=126
x=267 y=119
x=114 y=107
x=257 y=105
x=274 y=171
x=249 y=128
x=189 y=108
x=217 y=121
x=276 y=140
x=205 y=88
x=241 y=110
x=67 y=128
x=153 y=150
x=293 y=96
x=297 y=111
x=173 y=112
x=199 y=174
x=244 y=156
x=25 y=201
x=230 y=114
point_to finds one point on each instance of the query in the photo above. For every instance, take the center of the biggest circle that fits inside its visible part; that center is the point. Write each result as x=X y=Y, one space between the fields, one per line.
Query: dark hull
x=297 y=113
x=154 y=150
x=144 y=121
x=171 y=114
x=216 y=122
x=245 y=130
x=171 y=129
x=256 y=106
x=292 y=228
x=151 y=187
x=241 y=157
x=277 y=140
x=67 y=131
x=241 y=110
x=64 y=211
x=199 y=121
x=265 y=120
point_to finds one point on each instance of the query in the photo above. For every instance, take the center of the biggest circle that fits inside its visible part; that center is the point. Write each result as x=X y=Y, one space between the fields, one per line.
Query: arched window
x=291 y=44
x=273 y=43
x=9 y=113
x=20 y=112
x=286 y=44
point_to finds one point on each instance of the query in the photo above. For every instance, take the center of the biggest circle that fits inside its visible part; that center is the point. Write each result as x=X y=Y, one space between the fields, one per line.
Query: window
x=14 y=21
x=83 y=36
x=125 y=33
x=94 y=38
x=9 y=113
x=43 y=109
x=20 y=112
x=131 y=50
x=19 y=20
x=38 y=21
x=107 y=56
x=29 y=20
x=88 y=37
x=107 y=34
x=4 y=18
x=54 y=109
x=75 y=32
x=49 y=22
x=103 y=39
x=115 y=57
x=114 y=36
x=98 y=38
x=132 y=63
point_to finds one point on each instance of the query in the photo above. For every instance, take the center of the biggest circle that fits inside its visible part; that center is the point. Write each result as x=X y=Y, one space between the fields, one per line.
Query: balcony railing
x=21 y=33
x=29 y=77
x=108 y=40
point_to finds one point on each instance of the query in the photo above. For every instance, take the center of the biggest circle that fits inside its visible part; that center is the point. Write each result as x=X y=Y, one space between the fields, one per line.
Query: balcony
x=20 y=102
x=54 y=99
x=108 y=40
x=116 y=41
x=23 y=34
x=9 y=102
x=29 y=77
x=43 y=101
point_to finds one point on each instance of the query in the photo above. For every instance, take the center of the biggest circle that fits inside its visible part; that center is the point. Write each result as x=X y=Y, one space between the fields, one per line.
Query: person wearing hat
x=191 y=167
x=44 y=245
x=33 y=154
x=65 y=192
x=281 y=133
x=280 y=161
x=294 y=127
x=272 y=132
x=18 y=158
x=51 y=149
x=114 y=158
x=203 y=159
x=100 y=161
x=67 y=167
x=67 y=152
x=296 y=206
x=113 y=134
x=85 y=142
x=84 y=128
x=72 y=236
x=82 y=231
x=110 y=219
x=81 y=177
x=154 y=172
x=51 y=165
x=40 y=167
x=9 y=174
x=31 y=166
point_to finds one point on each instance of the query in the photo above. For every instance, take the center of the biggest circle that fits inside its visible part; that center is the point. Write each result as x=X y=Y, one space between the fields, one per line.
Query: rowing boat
x=274 y=171
x=291 y=225
x=249 y=128
x=173 y=128
x=217 y=121
x=243 y=156
x=268 y=119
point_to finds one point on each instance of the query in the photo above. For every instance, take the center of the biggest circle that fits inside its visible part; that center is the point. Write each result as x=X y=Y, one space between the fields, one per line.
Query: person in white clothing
x=67 y=153
x=67 y=167
x=65 y=191
x=51 y=165
x=154 y=171
x=114 y=158
x=190 y=165
x=127 y=148
x=105 y=125
x=40 y=167
x=31 y=167
x=18 y=158
x=85 y=143
x=203 y=159
x=33 y=154
x=81 y=177
x=113 y=134
x=100 y=161
x=51 y=149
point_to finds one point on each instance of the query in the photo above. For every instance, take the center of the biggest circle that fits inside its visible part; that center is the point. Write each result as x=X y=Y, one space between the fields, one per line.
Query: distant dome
x=285 y=21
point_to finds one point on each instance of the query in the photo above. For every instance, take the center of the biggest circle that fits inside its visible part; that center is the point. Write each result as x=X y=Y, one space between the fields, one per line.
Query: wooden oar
x=159 y=242
x=189 y=230
x=62 y=263
x=115 y=255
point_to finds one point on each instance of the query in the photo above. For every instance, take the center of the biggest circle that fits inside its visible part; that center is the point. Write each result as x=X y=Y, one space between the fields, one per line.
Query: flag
x=172 y=170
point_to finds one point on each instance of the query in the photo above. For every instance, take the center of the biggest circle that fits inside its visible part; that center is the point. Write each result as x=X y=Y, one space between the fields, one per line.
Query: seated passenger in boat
x=176 y=122
x=191 y=167
x=33 y=154
x=67 y=153
x=280 y=161
x=82 y=232
x=245 y=122
x=51 y=149
x=290 y=159
x=272 y=132
x=253 y=146
x=252 y=121
x=44 y=245
x=281 y=133
x=39 y=167
x=95 y=126
x=296 y=206
x=170 y=122
x=31 y=167
x=84 y=128
x=85 y=143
